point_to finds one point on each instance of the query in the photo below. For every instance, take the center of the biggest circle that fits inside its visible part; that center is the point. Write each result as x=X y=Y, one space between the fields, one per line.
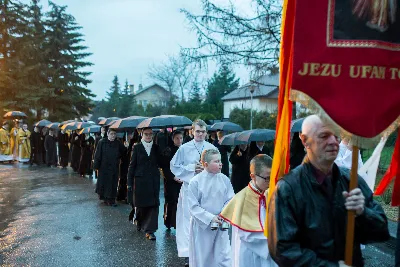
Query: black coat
x=240 y=177
x=223 y=150
x=171 y=187
x=85 y=164
x=63 y=149
x=297 y=152
x=106 y=161
x=51 y=150
x=253 y=151
x=144 y=176
x=307 y=227
x=76 y=151
x=36 y=143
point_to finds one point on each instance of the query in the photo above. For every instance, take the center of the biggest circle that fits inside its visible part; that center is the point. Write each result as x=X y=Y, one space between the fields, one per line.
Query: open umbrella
x=108 y=120
x=230 y=140
x=69 y=126
x=91 y=129
x=15 y=115
x=81 y=125
x=65 y=122
x=42 y=123
x=164 y=121
x=226 y=126
x=100 y=119
x=296 y=125
x=256 y=135
x=54 y=125
x=128 y=123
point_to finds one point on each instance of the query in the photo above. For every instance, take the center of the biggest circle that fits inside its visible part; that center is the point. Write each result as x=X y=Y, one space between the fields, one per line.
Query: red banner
x=347 y=59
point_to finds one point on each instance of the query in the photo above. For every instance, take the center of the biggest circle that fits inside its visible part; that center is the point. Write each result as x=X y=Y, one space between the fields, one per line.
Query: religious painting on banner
x=346 y=60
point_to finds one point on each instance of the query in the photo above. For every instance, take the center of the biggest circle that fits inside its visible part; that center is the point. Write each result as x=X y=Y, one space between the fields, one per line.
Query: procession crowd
x=305 y=220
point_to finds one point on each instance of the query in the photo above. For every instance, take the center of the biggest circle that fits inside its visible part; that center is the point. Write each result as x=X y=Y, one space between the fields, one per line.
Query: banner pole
x=351 y=214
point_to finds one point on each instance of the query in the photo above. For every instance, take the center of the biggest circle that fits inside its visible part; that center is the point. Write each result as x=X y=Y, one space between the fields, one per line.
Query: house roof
x=151 y=86
x=266 y=87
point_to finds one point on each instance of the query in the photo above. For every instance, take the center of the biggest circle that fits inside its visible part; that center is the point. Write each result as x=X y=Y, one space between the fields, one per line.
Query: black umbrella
x=108 y=120
x=226 y=126
x=15 y=115
x=65 y=122
x=100 y=119
x=91 y=129
x=230 y=140
x=128 y=123
x=164 y=121
x=296 y=125
x=42 y=123
x=54 y=125
x=75 y=126
x=256 y=135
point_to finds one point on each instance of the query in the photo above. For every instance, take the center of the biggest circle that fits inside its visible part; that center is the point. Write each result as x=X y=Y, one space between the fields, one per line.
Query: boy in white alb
x=247 y=213
x=209 y=192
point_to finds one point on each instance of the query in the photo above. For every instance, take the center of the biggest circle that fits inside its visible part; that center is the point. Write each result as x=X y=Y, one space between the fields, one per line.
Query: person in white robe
x=246 y=212
x=184 y=165
x=208 y=193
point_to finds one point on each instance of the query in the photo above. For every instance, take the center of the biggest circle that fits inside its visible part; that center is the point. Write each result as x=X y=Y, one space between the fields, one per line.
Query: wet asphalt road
x=52 y=217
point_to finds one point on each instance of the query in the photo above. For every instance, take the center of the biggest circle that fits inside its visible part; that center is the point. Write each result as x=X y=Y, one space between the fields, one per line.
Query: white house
x=155 y=95
x=265 y=96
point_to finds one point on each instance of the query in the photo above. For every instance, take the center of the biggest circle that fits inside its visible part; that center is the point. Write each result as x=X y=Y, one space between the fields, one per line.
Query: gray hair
x=200 y=123
x=310 y=125
x=207 y=154
x=259 y=163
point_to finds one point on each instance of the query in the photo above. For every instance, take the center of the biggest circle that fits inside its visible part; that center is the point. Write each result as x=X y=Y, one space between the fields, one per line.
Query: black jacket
x=51 y=150
x=240 y=177
x=307 y=228
x=223 y=150
x=36 y=143
x=106 y=161
x=63 y=149
x=144 y=176
x=171 y=187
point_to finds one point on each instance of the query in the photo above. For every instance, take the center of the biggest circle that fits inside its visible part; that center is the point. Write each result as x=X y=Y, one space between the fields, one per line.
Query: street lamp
x=252 y=88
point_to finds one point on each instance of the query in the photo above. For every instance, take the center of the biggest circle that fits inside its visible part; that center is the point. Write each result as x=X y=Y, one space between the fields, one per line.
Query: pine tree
x=126 y=105
x=65 y=56
x=221 y=84
x=195 y=96
x=114 y=98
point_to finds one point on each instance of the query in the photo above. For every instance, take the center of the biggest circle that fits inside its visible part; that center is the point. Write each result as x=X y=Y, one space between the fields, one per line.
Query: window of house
x=144 y=103
x=154 y=92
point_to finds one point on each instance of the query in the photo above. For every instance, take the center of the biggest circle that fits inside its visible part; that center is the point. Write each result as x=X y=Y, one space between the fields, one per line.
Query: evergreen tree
x=65 y=57
x=114 y=98
x=220 y=84
x=195 y=96
x=126 y=106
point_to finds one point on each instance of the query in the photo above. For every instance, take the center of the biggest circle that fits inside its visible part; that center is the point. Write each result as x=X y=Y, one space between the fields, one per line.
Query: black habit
x=63 y=149
x=76 y=151
x=36 y=148
x=123 y=173
x=171 y=187
x=106 y=161
x=223 y=150
x=85 y=165
x=51 y=150
x=240 y=169
x=144 y=181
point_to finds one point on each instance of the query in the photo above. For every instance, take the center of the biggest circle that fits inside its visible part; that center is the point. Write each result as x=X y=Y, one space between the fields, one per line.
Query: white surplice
x=183 y=166
x=250 y=249
x=207 y=195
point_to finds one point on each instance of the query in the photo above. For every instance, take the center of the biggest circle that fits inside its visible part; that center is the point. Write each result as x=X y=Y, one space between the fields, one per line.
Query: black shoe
x=150 y=236
x=186 y=262
x=138 y=226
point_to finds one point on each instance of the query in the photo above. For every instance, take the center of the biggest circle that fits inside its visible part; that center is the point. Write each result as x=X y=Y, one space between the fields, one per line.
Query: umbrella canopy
x=230 y=140
x=164 y=121
x=91 y=129
x=128 y=123
x=42 y=123
x=108 y=120
x=111 y=123
x=15 y=115
x=296 y=125
x=75 y=126
x=256 y=135
x=65 y=122
x=226 y=126
x=54 y=125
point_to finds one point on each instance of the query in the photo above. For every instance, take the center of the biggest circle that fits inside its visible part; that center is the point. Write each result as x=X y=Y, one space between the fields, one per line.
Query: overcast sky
x=127 y=36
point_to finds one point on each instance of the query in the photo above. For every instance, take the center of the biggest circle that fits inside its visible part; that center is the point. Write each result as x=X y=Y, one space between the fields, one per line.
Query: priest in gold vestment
x=24 y=144
x=5 y=145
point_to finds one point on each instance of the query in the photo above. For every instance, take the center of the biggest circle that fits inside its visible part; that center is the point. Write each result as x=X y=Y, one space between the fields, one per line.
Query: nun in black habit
x=144 y=182
x=76 y=151
x=87 y=146
x=106 y=160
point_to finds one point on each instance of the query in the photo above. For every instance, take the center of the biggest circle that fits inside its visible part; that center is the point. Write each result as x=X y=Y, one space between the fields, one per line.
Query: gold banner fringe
x=359 y=141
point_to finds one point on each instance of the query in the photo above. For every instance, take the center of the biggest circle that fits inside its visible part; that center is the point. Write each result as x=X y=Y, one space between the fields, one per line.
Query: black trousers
x=170 y=214
x=147 y=218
